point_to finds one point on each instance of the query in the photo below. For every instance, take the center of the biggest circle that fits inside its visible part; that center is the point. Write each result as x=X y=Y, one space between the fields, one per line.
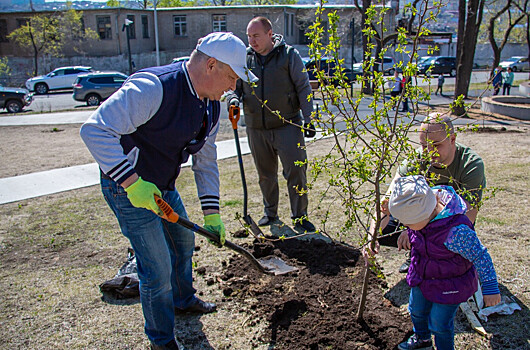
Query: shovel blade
x=253 y=226
x=276 y=265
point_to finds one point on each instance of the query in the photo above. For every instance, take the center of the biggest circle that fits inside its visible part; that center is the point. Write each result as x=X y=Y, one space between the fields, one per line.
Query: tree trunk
x=469 y=22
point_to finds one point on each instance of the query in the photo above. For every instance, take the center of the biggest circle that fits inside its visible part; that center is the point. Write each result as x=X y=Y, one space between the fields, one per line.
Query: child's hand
x=491 y=300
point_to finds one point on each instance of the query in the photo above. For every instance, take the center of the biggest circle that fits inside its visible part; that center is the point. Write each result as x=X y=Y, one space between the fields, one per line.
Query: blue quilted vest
x=178 y=129
x=443 y=277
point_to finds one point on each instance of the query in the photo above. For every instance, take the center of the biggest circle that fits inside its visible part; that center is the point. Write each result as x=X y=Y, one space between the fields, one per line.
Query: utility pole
x=352 y=26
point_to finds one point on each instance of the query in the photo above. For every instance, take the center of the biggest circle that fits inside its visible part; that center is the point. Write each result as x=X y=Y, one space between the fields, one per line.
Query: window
x=58 y=73
x=289 y=24
x=132 y=27
x=70 y=71
x=145 y=27
x=219 y=23
x=101 y=80
x=119 y=79
x=3 y=31
x=180 y=25
x=104 y=28
x=22 y=22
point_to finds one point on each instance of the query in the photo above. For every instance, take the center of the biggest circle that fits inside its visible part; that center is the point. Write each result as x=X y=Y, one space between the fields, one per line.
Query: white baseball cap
x=412 y=200
x=229 y=49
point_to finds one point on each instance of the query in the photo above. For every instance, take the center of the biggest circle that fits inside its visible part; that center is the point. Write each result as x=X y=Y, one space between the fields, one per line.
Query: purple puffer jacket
x=444 y=277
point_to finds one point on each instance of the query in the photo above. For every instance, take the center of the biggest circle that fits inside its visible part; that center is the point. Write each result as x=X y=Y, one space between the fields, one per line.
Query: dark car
x=14 y=99
x=389 y=67
x=438 y=65
x=95 y=87
x=328 y=66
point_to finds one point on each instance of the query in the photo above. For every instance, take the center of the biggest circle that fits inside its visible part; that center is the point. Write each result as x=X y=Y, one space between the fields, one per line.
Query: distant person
x=397 y=86
x=284 y=85
x=454 y=164
x=140 y=137
x=496 y=81
x=446 y=256
x=507 y=81
x=441 y=81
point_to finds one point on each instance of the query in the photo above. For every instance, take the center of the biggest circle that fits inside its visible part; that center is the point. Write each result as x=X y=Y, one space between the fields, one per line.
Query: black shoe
x=172 y=345
x=413 y=343
x=305 y=225
x=404 y=268
x=266 y=220
x=199 y=307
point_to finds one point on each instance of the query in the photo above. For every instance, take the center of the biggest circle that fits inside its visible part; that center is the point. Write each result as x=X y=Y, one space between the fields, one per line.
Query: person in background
x=441 y=81
x=507 y=81
x=140 y=137
x=397 y=86
x=496 y=80
x=452 y=163
x=284 y=86
x=446 y=256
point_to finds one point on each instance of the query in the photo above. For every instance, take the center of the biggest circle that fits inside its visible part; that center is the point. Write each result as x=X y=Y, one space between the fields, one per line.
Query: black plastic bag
x=124 y=287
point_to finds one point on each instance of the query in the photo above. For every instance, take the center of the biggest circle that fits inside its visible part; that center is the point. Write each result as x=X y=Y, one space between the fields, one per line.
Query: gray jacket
x=283 y=84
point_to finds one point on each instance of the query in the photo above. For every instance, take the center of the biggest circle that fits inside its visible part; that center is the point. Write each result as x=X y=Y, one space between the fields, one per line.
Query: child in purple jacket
x=446 y=256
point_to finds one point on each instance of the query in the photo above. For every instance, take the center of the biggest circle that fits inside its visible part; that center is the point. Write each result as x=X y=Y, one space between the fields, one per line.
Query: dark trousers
x=439 y=88
x=391 y=234
x=506 y=88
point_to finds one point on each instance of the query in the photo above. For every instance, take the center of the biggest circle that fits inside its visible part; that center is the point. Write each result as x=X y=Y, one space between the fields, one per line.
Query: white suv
x=60 y=78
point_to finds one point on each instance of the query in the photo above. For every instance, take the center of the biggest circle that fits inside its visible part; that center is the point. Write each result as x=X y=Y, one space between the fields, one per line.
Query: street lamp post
x=128 y=22
x=352 y=26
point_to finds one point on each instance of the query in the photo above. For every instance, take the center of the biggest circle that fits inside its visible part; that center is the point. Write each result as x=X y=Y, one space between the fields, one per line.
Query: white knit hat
x=229 y=49
x=412 y=200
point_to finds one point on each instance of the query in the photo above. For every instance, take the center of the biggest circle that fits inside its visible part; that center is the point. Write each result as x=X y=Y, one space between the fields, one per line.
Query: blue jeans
x=432 y=318
x=163 y=255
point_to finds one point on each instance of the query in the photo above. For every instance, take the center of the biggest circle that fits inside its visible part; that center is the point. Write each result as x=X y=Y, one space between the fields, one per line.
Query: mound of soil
x=315 y=307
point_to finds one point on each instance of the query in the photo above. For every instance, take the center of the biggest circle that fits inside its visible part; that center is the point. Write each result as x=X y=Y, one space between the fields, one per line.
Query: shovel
x=271 y=265
x=233 y=115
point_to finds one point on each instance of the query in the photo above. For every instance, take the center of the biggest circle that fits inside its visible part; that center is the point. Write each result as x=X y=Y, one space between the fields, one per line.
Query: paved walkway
x=37 y=184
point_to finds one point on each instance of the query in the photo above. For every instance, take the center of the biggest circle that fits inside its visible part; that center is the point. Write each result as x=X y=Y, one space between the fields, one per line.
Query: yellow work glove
x=214 y=224
x=141 y=194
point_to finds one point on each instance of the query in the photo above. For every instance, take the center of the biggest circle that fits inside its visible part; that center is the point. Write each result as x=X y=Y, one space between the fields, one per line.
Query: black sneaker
x=404 y=268
x=304 y=225
x=266 y=220
x=413 y=343
x=172 y=345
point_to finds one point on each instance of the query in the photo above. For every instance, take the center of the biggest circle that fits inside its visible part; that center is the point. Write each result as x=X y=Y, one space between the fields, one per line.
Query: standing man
x=507 y=81
x=284 y=85
x=140 y=137
x=453 y=164
x=441 y=81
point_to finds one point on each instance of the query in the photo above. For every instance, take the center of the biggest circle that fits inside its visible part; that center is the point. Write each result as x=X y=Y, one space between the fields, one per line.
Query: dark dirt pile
x=315 y=307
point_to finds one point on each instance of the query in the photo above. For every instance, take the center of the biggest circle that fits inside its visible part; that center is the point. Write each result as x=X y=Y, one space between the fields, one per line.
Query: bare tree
x=513 y=20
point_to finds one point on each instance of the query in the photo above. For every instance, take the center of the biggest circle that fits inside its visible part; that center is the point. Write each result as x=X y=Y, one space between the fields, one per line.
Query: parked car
x=438 y=65
x=60 y=78
x=326 y=64
x=95 y=87
x=389 y=67
x=14 y=99
x=516 y=63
